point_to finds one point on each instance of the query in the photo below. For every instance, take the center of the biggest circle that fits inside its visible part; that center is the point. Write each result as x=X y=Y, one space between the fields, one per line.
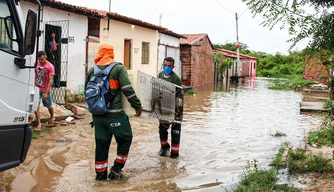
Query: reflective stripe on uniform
x=175 y=148
x=126 y=86
x=164 y=142
x=97 y=166
x=133 y=95
x=101 y=166
x=121 y=158
x=115 y=110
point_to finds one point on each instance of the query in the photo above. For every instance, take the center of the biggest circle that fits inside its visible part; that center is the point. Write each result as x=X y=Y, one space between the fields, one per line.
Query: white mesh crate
x=162 y=99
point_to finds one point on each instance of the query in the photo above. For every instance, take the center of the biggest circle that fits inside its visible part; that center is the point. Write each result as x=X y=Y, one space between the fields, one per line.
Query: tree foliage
x=278 y=65
x=223 y=63
x=317 y=23
x=232 y=47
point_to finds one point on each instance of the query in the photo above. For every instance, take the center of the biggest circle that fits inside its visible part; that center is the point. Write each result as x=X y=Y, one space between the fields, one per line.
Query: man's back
x=119 y=82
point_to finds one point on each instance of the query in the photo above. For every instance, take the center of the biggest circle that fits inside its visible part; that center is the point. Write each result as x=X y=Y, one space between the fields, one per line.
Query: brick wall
x=197 y=64
x=245 y=68
x=315 y=71
x=185 y=56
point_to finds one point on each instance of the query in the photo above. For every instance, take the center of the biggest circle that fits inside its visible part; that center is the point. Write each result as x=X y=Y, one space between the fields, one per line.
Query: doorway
x=127 y=54
x=58 y=58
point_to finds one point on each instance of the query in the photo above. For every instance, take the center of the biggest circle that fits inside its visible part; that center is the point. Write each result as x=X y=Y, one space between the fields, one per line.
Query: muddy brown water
x=221 y=131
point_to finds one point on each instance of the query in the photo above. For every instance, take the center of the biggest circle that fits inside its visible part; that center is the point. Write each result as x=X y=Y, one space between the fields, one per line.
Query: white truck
x=18 y=95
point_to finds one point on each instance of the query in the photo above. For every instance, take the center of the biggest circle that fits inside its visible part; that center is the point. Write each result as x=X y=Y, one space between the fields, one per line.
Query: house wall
x=186 y=58
x=245 y=67
x=93 y=48
x=169 y=47
x=77 y=30
x=201 y=64
x=120 y=31
x=253 y=67
x=314 y=71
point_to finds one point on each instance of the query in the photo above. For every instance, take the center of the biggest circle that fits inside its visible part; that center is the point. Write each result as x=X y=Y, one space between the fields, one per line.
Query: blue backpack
x=98 y=96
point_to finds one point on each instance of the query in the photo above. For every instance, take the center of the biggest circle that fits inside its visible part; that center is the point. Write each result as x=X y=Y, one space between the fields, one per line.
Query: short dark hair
x=41 y=53
x=169 y=59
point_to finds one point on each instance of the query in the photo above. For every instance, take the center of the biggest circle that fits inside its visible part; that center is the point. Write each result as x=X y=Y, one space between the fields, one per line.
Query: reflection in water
x=224 y=130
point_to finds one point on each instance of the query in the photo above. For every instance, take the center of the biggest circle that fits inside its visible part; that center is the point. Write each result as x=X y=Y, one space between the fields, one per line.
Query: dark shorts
x=47 y=102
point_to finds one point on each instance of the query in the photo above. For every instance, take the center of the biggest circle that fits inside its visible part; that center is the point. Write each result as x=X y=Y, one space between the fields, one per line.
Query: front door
x=127 y=54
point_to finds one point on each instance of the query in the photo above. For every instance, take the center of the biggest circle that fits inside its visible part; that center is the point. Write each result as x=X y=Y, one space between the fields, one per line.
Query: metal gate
x=58 y=58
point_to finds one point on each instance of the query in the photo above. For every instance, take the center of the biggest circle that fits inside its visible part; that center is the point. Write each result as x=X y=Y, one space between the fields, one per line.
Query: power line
x=243 y=12
x=224 y=6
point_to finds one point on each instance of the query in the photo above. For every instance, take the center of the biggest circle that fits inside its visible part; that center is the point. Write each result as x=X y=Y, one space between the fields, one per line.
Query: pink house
x=247 y=63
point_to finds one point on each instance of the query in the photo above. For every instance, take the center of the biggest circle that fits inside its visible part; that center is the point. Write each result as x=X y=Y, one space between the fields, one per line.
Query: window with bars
x=145 y=54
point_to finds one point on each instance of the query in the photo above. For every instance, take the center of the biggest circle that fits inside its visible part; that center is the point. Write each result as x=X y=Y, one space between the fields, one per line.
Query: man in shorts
x=44 y=73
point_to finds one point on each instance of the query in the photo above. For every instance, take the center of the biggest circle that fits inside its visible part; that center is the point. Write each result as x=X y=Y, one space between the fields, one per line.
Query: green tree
x=232 y=47
x=223 y=63
x=316 y=24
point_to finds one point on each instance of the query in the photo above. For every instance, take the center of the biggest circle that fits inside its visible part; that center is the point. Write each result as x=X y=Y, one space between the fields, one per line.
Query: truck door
x=15 y=133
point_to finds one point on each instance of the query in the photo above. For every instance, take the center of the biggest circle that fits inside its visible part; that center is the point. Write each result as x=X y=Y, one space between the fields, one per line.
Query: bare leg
x=51 y=111
x=38 y=119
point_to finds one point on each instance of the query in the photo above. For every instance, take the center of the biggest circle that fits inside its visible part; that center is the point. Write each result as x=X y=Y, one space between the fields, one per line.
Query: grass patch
x=289 y=83
x=321 y=137
x=37 y=134
x=254 y=179
x=277 y=162
x=191 y=92
x=300 y=162
x=279 y=134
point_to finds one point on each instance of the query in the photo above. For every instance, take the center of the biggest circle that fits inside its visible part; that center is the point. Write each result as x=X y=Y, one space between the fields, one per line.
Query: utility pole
x=108 y=17
x=238 y=46
x=160 y=16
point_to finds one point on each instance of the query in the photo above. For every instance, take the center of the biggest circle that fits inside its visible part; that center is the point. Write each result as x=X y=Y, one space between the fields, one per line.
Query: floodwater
x=222 y=130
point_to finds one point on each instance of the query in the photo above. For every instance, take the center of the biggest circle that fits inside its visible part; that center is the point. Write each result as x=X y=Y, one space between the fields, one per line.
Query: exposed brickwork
x=185 y=54
x=197 y=64
x=245 y=68
x=315 y=71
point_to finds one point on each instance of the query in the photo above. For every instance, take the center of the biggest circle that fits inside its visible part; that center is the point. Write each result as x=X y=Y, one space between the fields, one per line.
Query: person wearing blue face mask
x=168 y=75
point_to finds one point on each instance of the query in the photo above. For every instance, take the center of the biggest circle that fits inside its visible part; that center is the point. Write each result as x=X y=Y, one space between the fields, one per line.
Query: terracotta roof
x=192 y=39
x=233 y=54
x=226 y=54
x=71 y=8
x=104 y=14
x=118 y=17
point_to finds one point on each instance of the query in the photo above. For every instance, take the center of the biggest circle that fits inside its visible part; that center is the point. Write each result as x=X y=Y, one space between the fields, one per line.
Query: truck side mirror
x=30 y=32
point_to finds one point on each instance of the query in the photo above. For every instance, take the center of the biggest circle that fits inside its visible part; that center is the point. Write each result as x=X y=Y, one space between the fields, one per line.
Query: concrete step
x=312 y=106
x=314 y=98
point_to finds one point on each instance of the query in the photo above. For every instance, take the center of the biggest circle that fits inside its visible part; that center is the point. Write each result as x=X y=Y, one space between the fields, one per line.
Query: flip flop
x=48 y=124
x=38 y=128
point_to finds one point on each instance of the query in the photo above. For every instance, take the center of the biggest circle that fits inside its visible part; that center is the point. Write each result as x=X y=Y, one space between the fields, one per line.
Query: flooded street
x=221 y=131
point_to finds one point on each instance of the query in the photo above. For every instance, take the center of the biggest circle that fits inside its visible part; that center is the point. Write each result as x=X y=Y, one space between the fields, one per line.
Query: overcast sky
x=214 y=17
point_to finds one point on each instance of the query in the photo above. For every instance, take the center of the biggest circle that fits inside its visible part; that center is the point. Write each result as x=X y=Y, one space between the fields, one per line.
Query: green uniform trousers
x=105 y=128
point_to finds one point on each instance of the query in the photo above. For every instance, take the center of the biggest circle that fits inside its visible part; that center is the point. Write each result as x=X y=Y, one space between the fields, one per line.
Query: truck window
x=6 y=44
